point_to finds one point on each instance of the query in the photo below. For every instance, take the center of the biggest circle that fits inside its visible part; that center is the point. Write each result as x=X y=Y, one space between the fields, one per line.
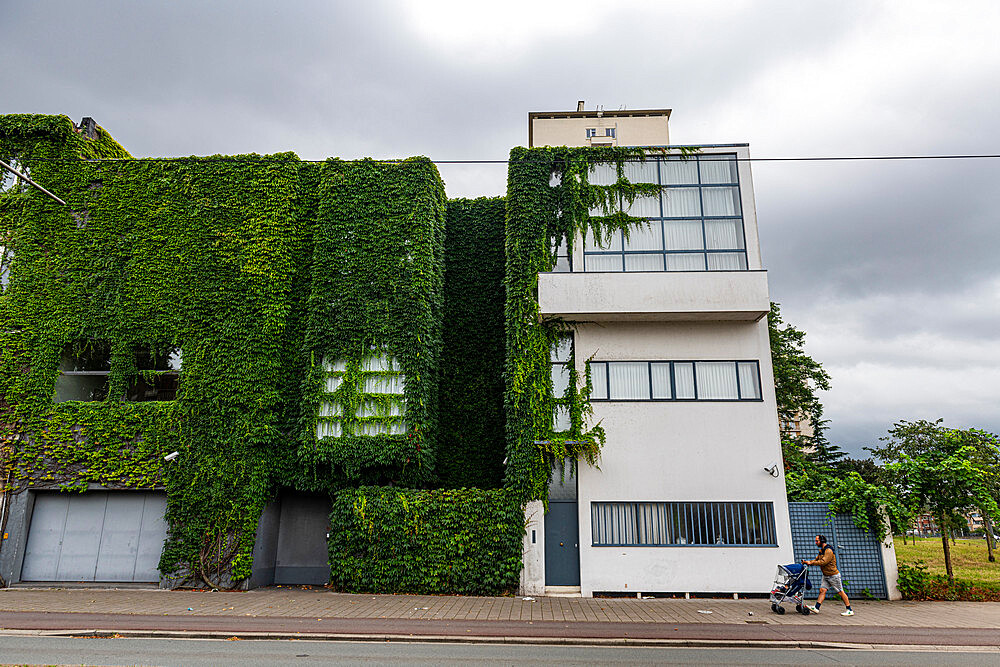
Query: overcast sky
x=892 y=268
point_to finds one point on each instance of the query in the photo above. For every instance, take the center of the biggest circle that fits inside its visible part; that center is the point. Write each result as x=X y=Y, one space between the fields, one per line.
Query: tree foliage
x=797 y=376
x=942 y=471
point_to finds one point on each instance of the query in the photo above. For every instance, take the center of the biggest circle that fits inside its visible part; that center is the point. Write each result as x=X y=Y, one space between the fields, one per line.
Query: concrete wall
x=693 y=451
x=682 y=295
x=629 y=131
x=533 y=570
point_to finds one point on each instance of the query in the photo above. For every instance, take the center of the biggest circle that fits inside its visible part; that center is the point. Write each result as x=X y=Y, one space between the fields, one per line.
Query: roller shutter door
x=95 y=536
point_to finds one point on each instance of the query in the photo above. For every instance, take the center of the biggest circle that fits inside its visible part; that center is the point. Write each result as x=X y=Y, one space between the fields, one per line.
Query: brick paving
x=318 y=604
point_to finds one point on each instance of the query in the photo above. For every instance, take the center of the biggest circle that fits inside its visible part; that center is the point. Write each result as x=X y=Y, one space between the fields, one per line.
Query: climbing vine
x=550 y=200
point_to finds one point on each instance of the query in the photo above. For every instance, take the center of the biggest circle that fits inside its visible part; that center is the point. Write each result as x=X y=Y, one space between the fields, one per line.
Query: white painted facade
x=672 y=451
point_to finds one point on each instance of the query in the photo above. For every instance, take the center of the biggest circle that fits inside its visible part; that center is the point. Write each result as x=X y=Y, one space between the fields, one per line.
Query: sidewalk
x=284 y=611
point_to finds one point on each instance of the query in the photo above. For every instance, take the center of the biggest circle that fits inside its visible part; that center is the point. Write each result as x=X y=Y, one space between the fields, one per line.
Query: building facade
x=671 y=318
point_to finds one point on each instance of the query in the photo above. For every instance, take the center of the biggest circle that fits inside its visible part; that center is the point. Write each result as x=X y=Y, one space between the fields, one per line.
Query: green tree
x=940 y=470
x=797 y=376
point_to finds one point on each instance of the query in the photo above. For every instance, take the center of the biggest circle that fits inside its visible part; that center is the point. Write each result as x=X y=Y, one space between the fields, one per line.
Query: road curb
x=467 y=639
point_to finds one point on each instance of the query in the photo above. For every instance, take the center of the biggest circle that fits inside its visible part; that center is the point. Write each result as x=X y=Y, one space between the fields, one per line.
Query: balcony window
x=695 y=224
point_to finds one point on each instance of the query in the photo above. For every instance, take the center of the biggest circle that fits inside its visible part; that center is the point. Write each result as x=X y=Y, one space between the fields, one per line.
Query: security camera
x=171 y=456
x=773 y=470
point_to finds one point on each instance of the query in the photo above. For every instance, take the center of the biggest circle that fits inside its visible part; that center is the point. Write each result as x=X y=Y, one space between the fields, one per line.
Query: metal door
x=95 y=536
x=562 y=534
x=302 y=555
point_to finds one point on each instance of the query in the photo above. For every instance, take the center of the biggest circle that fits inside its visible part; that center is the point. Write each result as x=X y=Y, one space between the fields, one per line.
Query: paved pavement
x=282 y=611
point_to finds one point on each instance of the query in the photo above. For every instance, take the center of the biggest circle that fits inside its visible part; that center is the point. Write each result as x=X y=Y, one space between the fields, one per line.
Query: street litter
x=704 y=611
x=528 y=599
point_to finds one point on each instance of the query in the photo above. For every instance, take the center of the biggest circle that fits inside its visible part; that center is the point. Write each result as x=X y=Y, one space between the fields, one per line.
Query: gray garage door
x=95 y=536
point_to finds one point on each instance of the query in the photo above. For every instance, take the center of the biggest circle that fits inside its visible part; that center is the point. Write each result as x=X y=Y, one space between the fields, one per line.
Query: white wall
x=683 y=451
x=533 y=554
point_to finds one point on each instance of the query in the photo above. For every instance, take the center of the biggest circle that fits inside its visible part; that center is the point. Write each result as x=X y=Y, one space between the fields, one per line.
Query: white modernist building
x=690 y=494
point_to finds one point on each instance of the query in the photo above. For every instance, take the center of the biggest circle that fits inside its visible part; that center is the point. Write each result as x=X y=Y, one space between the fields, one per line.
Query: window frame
x=673 y=381
x=729 y=517
x=662 y=220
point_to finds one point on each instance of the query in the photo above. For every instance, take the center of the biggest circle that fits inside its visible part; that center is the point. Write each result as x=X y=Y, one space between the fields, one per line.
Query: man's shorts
x=832 y=582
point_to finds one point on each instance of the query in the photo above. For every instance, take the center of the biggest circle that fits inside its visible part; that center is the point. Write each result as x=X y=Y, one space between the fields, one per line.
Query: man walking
x=827 y=561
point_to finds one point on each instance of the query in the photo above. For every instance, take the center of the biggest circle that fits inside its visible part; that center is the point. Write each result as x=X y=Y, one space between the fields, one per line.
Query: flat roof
x=598 y=114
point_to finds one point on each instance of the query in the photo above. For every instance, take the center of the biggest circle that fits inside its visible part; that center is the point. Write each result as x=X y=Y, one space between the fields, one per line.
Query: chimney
x=89 y=127
x=579 y=105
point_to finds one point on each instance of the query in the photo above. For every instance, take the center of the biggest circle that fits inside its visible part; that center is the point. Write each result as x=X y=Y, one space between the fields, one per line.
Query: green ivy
x=471 y=442
x=464 y=541
x=256 y=267
x=550 y=199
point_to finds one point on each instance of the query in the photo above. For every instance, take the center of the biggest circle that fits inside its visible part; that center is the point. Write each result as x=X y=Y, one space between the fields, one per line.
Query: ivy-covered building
x=243 y=370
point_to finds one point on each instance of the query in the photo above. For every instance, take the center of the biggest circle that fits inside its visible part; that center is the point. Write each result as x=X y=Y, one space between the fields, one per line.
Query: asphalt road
x=197 y=652
x=854 y=634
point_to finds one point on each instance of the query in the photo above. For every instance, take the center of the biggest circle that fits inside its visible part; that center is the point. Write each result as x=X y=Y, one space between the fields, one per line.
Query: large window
x=561 y=355
x=675 y=381
x=695 y=224
x=666 y=524
x=85 y=373
x=380 y=382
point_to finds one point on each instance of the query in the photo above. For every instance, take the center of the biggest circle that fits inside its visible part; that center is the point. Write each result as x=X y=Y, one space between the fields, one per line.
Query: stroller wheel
x=780 y=610
x=798 y=608
x=774 y=607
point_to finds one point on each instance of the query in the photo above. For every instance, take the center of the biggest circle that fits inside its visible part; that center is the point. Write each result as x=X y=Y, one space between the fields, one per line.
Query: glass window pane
x=724 y=234
x=599 y=378
x=561 y=266
x=562 y=349
x=644 y=262
x=560 y=419
x=95 y=356
x=628 y=379
x=645 y=237
x=333 y=383
x=325 y=429
x=603 y=263
x=682 y=203
x=675 y=171
x=688 y=261
x=749 y=382
x=645 y=207
x=330 y=409
x=721 y=201
x=560 y=379
x=661 y=380
x=684 y=380
x=717 y=168
x=716 y=380
x=338 y=366
x=727 y=261
x=603 y=174
x=641 y=172
x=683 y=234
x=81 y=388
x=613 y=243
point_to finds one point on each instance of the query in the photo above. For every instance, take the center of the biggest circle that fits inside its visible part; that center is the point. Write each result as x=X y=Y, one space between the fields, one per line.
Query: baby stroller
x=790 y=583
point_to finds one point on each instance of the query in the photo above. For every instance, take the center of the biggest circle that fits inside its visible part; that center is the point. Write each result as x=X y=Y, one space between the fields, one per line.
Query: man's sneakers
x=849 y=612
x=812 y=608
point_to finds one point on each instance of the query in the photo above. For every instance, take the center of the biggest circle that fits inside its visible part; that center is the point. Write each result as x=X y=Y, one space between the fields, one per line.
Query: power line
x=403 y=161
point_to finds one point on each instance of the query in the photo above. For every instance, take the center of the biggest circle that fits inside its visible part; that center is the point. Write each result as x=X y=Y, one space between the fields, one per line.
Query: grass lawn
x=968 y=558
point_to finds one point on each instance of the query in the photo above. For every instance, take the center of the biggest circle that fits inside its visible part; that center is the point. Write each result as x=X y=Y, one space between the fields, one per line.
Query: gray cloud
x=890 y=267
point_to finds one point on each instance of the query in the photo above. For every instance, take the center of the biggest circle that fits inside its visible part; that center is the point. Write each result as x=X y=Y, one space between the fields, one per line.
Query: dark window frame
x=673 y=384
x=705 y=522
x=662 y=219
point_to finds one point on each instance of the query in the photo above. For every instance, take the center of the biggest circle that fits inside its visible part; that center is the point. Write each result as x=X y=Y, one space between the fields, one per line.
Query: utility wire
x=249 y=158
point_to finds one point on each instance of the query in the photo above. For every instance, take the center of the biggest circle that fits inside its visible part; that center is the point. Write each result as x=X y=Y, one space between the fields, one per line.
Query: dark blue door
x=562 y=534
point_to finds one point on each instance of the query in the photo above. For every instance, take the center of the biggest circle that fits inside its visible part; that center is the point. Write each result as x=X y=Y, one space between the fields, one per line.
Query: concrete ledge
x=655 y=296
